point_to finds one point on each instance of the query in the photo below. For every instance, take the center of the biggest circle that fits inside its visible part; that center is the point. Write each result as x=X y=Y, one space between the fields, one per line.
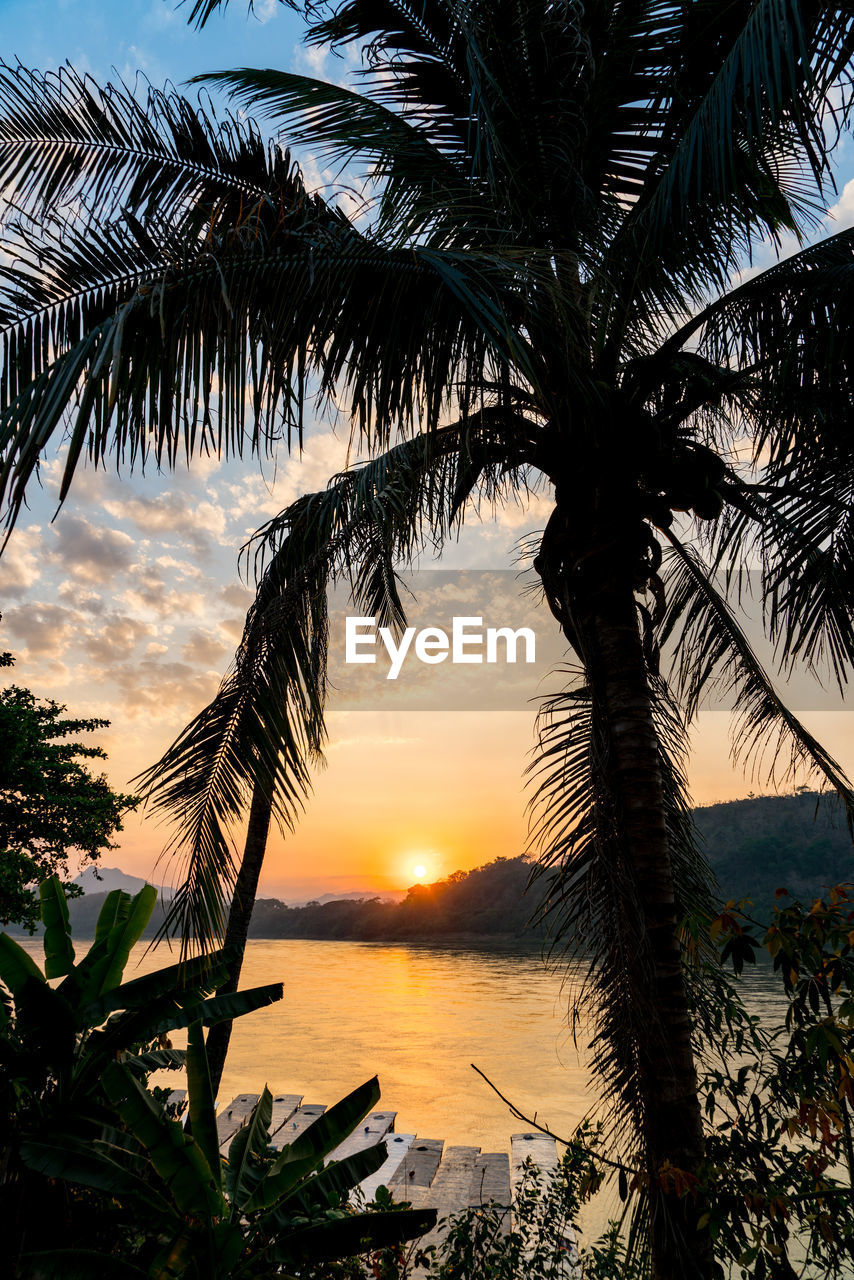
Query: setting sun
x=419 y=872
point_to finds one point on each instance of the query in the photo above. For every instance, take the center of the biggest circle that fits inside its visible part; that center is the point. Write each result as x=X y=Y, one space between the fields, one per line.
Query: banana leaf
x=336 y=1181
x=178 y=1160
x=126 y=933
x=198 y=975
x=202 y=1105
x=227 y=1008
x=88 y=1164
x=17 y=967
x=357 y=1233
x=303 y=1155
x=137 y=1026
x=78 y=1264
x=242 y=1175
x=156 y=1060
x=58 y=948
x=83 y=983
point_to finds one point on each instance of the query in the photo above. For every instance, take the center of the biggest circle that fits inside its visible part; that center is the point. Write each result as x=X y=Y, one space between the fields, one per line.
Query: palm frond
x=415 y=161
x=588 y=884
x=201 y=11
x=65 y=139
x=265 y=725
x=148 y=340
x=712 y=651
x=744 y=153
x=799 y=537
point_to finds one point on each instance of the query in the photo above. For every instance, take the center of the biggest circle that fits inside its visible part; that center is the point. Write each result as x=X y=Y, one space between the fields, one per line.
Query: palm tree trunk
x=602 y=624
x=239 y=915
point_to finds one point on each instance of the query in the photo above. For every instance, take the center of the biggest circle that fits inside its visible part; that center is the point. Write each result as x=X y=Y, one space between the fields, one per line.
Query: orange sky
x=129 y=605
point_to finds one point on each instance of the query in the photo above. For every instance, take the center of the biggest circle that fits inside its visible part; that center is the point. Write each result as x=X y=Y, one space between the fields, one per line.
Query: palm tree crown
x=542 y=281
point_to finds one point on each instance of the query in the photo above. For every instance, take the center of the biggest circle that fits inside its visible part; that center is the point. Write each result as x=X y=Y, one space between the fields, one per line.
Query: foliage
x=59 y=1040
x=535 y=1235
x=758 y=843
x=779 y=1096
x=52 y=807
x=263 y=1213
x=487 y=900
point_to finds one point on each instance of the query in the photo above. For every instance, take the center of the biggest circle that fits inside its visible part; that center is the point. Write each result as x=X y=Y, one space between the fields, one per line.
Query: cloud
x=45 y=630
x=149 y=593
x=172 y=512
x=841 y=215
x=237 y=596
x=170 y=692
x=204 y=649
x=87 y=553
x=116 y=639
x=20 y=566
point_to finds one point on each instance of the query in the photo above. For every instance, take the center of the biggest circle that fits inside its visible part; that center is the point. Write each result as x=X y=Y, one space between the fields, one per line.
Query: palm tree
x=543 y=282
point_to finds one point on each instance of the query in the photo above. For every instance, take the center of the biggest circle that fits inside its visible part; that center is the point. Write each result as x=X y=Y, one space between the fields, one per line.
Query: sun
x=419 y=872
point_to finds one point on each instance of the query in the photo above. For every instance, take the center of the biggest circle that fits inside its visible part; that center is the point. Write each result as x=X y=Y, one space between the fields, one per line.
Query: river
x=418 y=1017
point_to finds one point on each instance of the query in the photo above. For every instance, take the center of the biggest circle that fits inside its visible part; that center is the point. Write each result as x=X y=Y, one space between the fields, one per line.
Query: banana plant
x=64 y=1026
x=260 y=1213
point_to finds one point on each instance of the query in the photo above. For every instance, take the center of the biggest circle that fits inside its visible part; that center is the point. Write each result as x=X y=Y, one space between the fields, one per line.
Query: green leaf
x=314 y=1144
x=58 y=949
x=86 y=978
x=156 y=1060
x=336 y=1180
x=178 y=1160
x=126 y=933
x=75 y=1160
x=198 y=975
x=202 y=1105
x=80 y=1264
x=228 y=1007
x=250 y=1140
x=17 y=967
x=114 y=911
x=357 y=1233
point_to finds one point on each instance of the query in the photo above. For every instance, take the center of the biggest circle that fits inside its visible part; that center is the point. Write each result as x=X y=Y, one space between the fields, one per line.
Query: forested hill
x=798 y=842
x=755 y=846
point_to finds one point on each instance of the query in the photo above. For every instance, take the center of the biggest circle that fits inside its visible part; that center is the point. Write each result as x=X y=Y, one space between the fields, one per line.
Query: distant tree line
x=799 y=842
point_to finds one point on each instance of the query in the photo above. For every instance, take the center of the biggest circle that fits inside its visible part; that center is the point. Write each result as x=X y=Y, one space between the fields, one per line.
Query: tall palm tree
x=544 y=281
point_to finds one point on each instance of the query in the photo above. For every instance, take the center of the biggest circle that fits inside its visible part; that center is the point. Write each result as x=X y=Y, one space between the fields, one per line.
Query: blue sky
x=129 y=604
x=145 y=35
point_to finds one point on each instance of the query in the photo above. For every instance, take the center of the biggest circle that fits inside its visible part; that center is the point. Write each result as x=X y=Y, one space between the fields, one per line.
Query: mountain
x=799 y=842
x=352 y=895
x=105 y=879
x=755 y=846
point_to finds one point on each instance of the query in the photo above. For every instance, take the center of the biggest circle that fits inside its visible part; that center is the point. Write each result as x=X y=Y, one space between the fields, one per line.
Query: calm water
x=416 y=1016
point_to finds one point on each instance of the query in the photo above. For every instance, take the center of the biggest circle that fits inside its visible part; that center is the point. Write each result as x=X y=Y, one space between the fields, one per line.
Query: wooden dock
x=422 y=1171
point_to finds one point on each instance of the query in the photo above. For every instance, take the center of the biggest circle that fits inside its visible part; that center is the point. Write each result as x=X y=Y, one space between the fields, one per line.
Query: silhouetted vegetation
x=799 y=842
x=52 y=807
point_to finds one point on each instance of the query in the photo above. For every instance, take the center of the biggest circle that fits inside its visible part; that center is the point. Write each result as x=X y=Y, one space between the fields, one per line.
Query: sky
x=128 y=604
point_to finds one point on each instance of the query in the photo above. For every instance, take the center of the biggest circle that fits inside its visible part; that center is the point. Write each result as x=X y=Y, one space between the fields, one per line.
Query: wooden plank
x=450 y=1191
x=398 y=1144
x=542 y=1151
x=284 y=1105
x=491 y=1180
x=301 y=1120
x=419 y=1165
x=451 y=1188
x=232 y=1117
x=372 y=1130
x=539 y=1147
